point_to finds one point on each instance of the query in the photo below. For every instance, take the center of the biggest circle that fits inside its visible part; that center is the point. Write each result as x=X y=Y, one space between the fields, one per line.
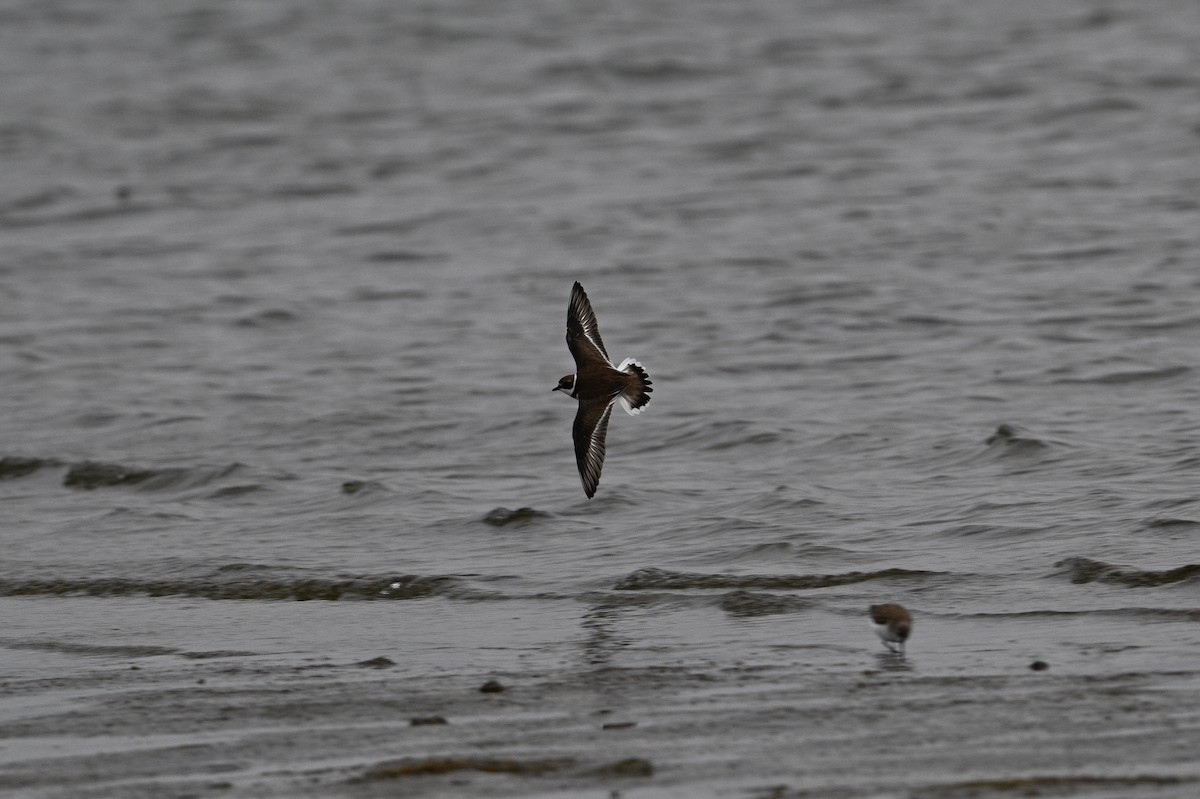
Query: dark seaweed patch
x=659 y=579
x=629 y=767
x=750 y=603
x=1086 y=570
x=92 y=474
x=70 y=648
x=13 y=466
x=380 y=662
x=364 y=486
x=446 y=765
x=501 y=517
x=427 y=721
x=233 y=586
x=1036 y=785
x=1012 y=436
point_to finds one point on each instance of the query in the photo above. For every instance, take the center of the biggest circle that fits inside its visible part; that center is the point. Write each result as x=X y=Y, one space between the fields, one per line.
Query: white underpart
x=625 y=406
x=885 y=635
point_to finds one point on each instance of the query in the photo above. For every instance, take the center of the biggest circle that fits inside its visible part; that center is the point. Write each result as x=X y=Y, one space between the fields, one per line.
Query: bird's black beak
x=557 y=388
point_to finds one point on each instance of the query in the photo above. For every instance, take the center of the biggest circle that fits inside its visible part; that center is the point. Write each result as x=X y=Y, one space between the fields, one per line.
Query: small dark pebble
x=618 y=725
x=200 y=681
x=376 y=663
x=1039 y=665
x=492 y=687
x=425 y=721
x=1005 y=432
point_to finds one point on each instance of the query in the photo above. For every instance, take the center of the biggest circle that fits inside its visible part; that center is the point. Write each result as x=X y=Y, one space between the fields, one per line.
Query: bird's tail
x=635 y=395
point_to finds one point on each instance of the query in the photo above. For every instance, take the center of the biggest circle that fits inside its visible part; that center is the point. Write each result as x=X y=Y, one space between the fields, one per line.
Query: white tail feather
x=627 y=402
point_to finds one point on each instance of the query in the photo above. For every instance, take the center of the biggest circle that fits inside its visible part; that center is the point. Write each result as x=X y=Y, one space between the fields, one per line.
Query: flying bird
x=597 y=384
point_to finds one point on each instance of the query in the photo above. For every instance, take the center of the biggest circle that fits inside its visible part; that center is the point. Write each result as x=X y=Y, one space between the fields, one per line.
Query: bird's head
x=567 y=384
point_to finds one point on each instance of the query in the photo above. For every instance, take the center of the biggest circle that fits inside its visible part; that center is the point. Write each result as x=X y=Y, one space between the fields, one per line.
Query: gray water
x=282 y=298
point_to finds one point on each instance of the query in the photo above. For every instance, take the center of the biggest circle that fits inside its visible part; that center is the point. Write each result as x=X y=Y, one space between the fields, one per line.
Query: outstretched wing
x=583 y=332
x=591 y=426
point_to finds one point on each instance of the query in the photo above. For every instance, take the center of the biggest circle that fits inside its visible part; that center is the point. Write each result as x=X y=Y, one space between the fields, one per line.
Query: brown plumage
x=893 y=624
x=597 y=384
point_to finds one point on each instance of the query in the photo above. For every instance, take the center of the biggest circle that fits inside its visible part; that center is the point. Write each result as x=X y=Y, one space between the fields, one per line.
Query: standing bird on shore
x=893 y=624
x=597 y=384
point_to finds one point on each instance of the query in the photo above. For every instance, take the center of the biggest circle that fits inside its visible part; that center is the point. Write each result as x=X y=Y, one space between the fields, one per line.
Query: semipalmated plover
x=893 y=624
x=597 y=384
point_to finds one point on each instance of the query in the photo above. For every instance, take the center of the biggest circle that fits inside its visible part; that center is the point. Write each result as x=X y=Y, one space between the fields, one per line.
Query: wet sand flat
x=283 y=484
